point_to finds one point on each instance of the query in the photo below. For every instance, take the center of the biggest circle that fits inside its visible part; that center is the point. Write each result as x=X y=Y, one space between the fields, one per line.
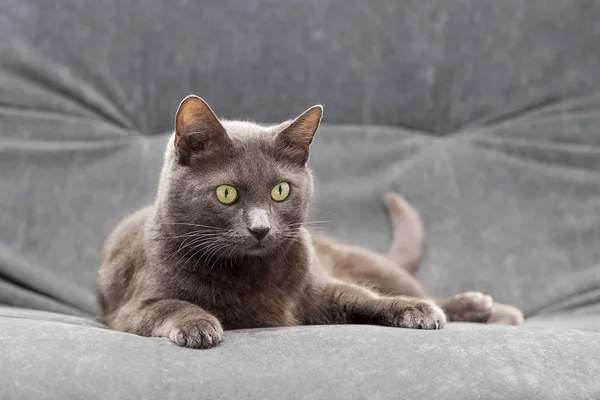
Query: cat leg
x=505 y=314
x=356 y=265
x=467 y=307
x=184 y=323
x=335 y=302
x=478 y=307
x=406 y=251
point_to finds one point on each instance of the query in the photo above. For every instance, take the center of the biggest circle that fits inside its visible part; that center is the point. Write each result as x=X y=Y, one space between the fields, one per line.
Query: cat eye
x=227 y=194
x=281 y=191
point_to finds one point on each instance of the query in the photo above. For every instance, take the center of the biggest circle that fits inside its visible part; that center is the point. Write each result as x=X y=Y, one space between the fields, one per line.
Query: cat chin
x=258 y=249
x=265 y=248
x=257 y=252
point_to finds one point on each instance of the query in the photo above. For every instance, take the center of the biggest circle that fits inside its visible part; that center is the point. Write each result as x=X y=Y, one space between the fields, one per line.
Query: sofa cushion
x=55 y=356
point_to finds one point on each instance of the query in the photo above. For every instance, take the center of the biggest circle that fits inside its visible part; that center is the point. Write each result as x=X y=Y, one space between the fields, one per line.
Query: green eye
x=281 y=191
x=226 y=194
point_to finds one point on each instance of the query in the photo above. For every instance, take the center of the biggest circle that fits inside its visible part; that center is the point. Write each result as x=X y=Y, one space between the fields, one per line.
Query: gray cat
x=225 y=246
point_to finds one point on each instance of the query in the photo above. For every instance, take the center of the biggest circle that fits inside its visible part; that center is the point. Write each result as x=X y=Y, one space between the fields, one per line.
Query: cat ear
x=197 y=128
x=294 y=140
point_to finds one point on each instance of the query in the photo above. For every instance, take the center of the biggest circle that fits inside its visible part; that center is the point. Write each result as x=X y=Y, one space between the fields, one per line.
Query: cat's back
x=121 y=256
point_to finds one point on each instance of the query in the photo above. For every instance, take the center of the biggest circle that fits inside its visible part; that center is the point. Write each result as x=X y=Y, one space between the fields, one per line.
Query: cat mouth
x=259 y=248
x=252 y=246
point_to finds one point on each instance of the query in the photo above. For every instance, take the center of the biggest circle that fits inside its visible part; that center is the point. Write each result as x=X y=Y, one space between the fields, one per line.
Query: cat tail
x=407 y=233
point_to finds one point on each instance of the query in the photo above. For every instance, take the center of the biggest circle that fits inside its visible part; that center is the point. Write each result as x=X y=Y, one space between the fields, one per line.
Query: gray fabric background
x=483 y=113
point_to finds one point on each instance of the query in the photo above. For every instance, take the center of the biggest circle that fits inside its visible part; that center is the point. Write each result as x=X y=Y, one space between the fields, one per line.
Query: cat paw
x=505 y=314
x=418 y=314
x=468 y=307
x=198 y=333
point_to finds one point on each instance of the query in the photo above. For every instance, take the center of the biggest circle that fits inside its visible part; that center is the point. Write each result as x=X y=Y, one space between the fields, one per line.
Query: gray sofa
x=485 y=114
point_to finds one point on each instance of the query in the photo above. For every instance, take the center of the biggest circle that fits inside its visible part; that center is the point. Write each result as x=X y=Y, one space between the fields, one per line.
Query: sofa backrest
x=434 y=66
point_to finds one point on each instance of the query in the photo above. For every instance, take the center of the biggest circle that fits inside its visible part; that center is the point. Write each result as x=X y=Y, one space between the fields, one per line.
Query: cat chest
x=269 y=308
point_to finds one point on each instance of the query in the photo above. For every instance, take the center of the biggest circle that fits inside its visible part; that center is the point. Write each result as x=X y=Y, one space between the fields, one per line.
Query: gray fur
x=189 y=267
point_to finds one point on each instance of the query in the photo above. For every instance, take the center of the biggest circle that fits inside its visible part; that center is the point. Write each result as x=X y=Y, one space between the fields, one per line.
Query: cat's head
x=243 y=188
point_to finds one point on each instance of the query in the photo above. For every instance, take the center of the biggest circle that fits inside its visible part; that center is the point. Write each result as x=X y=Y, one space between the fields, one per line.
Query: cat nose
x=258 y=223
x=259 y=232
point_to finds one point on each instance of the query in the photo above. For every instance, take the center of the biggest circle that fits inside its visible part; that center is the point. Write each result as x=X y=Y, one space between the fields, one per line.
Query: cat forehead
x=247 y=129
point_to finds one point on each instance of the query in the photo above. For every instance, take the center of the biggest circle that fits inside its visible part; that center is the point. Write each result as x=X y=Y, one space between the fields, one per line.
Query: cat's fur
x=188 y=267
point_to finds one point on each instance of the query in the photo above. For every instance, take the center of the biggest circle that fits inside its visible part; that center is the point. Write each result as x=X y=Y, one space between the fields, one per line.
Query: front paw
x=415 y=314
x=198 y=333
